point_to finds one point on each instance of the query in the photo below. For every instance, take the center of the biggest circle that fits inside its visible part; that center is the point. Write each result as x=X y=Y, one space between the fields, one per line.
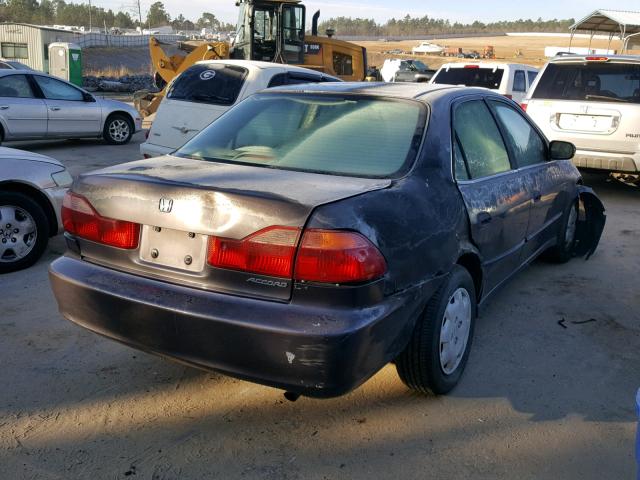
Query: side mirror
x=559 y=150
x=87 y=97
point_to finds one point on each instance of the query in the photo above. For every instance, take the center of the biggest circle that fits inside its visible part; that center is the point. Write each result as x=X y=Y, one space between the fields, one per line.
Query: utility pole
x=140 y=16
x=89 y=16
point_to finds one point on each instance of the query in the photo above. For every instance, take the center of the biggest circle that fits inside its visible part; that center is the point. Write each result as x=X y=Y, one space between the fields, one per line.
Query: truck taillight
x=325 y=256
x=331 y=256
x=79 y=218
x=523 y=105
x=270 y=251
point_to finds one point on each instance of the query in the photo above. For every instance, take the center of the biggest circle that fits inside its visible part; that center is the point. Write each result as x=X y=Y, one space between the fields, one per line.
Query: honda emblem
x=166 y=204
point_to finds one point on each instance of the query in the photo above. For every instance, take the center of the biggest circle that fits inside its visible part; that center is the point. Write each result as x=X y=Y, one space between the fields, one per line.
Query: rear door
x=69 y=114
x=496 y=197
x=593 y=104
x=23 y=114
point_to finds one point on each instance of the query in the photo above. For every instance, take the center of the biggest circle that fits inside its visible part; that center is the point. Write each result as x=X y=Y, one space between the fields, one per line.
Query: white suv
x=594 y=103
x=206 y=90
x=509 y=79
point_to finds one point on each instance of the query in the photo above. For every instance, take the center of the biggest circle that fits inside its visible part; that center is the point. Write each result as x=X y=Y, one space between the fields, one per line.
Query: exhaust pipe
x=314 y=24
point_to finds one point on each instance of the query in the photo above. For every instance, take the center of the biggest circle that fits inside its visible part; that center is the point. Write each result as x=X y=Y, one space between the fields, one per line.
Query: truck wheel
x=24 y=231
x=563 y=251
x=118 y=129
x=438 y=350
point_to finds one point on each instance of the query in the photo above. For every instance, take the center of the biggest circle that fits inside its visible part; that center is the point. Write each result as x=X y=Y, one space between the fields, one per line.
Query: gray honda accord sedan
x=315 y=233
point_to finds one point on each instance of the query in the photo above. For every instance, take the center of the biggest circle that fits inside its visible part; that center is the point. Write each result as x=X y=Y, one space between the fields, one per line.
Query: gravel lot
x=540 y=399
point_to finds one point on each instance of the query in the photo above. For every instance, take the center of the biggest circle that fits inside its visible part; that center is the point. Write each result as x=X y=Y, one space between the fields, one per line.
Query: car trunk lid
x=181 y=202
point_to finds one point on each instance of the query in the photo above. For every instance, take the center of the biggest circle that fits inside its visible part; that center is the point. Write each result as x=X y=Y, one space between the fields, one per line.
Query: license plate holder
x=585 y=123
x=173 y=248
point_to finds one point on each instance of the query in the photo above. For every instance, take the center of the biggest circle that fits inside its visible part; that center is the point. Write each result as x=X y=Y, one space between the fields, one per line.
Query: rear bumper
x=314 y=351
x=149 y=150
x=611 y=162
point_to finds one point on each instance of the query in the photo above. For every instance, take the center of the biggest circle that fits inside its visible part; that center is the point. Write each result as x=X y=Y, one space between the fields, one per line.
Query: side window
x=525 y=142
x=56 y=90
x=295 y=79
x=278 y=80
x=5 y=66
x=480 y=139
x=532 y=76
x=459 y=164
x=519 y=82
x=342 y=64
x=16 y=86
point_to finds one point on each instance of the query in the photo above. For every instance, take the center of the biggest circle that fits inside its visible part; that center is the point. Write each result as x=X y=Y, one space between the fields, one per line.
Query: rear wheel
x=438 y=350
x=563 y=251
x=118 y=129
x=24 y=231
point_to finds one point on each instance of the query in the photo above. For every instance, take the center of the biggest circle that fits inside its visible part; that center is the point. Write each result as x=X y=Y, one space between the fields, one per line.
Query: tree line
x=426 y=25
x=59 y=12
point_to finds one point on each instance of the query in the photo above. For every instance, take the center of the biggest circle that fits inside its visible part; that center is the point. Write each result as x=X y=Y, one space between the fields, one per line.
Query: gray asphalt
x=548 y=393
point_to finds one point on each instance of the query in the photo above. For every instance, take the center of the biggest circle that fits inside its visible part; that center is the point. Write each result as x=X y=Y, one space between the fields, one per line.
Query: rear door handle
x=537 y=196
x=484 y=218
x=4 y=107
x=54 y=109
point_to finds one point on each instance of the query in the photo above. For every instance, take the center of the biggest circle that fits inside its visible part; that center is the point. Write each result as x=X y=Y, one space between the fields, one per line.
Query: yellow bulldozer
x=267 y=30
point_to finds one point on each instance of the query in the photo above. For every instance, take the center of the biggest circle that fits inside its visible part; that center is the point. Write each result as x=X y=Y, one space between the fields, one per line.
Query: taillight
x=523 y=105
x=330 y=256
x=472 y=66
x=270 y=251
x=597 y=59
x=79 y=218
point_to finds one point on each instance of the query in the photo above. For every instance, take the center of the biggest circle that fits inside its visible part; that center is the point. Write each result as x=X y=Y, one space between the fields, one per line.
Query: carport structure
x=624 y=24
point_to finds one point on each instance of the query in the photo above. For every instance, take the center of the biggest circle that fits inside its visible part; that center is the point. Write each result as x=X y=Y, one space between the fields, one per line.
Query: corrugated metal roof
x=610 y=21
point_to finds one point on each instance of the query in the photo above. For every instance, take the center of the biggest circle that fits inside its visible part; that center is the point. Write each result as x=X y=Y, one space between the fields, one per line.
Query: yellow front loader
x=267 y=30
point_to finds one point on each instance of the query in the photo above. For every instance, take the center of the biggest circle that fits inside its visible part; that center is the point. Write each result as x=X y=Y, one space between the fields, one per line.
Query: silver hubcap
x=570 y=232
x=18 y=233
x=454 y=333
x=119 y=130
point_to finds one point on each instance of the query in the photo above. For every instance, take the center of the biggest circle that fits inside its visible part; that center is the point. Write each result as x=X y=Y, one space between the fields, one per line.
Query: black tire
x=419 y=365
x=22 y=201
x=113 y=132
x=562 y=252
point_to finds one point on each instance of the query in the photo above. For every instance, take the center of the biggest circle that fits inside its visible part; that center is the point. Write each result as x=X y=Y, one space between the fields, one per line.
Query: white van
x=206 y=90
x=510 y=79
x=592 y=101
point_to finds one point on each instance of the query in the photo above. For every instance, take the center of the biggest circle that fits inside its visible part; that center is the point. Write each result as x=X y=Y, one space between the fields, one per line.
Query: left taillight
x=79 y=218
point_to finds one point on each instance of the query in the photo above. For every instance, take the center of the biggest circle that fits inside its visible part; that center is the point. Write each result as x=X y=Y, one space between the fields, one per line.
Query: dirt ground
x=526 y=49
x=548 y=393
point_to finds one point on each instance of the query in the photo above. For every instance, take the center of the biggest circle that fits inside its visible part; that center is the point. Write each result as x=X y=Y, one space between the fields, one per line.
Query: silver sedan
x=34 y=105
x=32 y=187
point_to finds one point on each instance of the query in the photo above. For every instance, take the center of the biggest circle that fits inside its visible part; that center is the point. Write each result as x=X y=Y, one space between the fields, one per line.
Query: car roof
x=258 y=65
x=487 y=65
x=406 y=90
x=568 y=58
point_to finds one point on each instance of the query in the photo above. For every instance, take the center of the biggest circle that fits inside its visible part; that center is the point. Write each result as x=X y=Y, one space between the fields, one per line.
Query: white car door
x=70 y=114
x=23 y=115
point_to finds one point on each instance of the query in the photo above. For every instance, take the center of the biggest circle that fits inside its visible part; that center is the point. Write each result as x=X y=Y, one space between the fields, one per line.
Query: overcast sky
x=465 y=11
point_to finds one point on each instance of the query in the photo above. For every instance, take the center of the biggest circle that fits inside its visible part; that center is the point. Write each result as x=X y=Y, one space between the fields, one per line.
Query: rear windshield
x=339 y=135
x=598 y=82
x=216 y=84
x=471 y=77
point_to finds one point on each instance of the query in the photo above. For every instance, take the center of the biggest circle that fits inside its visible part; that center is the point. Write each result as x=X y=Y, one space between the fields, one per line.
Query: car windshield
x=598 y=82
x=471 y=76
x=340 y=135
x=213 y=83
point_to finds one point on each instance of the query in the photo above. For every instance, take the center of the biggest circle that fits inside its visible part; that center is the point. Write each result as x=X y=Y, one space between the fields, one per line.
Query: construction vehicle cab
x=270 y=31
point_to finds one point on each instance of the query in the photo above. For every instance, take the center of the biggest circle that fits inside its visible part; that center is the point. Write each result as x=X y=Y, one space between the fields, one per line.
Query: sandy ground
x=528 y=49
x=538 y=401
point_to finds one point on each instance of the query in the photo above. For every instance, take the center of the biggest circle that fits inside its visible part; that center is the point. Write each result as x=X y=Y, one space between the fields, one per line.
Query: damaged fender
x=591 y=221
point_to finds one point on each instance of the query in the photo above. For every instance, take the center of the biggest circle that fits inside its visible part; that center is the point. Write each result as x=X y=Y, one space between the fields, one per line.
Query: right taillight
x=79 y=218
x=330 y=256
x=523 y=105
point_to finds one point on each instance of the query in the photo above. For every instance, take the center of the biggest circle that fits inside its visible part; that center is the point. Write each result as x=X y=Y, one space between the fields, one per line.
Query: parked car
x=208 y=89
x=593 y=102
x=510 y=79
x=34 y=105
x=427 y=48
x=13 y=65
x=317 y=232
x=400 y=70
x=32 y=187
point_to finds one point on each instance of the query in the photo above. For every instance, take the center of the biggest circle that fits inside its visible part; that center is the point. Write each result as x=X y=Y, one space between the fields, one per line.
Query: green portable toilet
x=65 y=61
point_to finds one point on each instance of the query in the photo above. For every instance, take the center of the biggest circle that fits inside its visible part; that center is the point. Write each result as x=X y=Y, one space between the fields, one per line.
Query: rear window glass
x=471 y=77
x=598 y=82
x=339 y=135
x=217 y=84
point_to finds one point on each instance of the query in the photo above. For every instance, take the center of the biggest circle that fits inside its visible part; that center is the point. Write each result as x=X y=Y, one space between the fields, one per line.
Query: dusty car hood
x=214 y=198
x=22 y=155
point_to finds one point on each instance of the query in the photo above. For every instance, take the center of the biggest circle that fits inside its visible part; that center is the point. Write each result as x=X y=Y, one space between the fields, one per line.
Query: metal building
x=29 y=44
